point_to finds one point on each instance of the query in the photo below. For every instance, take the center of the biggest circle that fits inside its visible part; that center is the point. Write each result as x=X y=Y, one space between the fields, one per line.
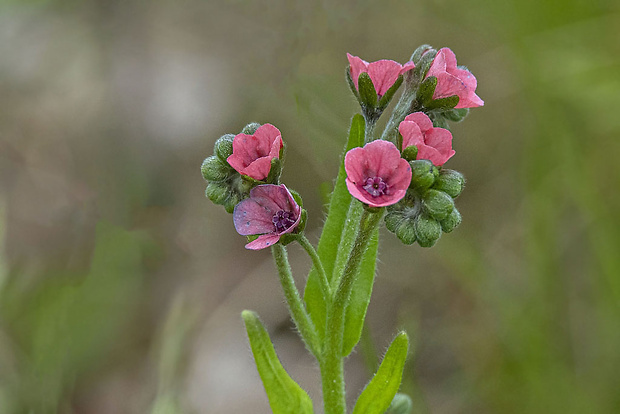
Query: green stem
x=318 y=265
x=401 y=110
x=293 y=299
x=369 y=131
x=331 y=363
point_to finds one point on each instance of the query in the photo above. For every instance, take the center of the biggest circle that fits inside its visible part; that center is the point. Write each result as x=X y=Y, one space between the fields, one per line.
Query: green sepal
x=389 y=94
x=252 y=237
x=274 y=172
x=424 y=62
x=214 y=169
x=456 y=115
x=250 y=128
x=423 y=174
x=410 y=153
x=426 y=91
x=380 y=391
x=451 y=222
x=217 y=192
x=450 y=182
x=287 y=239
x=223 y=147
x=438 y=120
x=296 y=197
x=419 y=52
x=351 y=83
x=340 y=201
x=427 y=230
x=302 y=222
x=284 y=394
x=233 y=199
x=401 y=404
x=366 y=90
x=437 y=204
x=442 y=103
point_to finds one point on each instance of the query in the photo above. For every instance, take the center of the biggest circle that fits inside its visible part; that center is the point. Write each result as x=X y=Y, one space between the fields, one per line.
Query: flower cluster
x=403 y=170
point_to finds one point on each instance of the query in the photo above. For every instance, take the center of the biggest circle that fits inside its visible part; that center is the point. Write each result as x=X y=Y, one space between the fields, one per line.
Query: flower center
x=283 y=220
x=375 y=186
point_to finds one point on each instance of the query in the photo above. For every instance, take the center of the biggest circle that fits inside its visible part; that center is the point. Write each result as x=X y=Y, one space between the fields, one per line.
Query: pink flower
x=270 y=211
x=252 y=154
x=434 y=144
x=453 y=81
x=376 y=174
x=383 y=73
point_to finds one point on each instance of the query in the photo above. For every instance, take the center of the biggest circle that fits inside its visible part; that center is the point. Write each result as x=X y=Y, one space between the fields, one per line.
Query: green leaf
x=360 y=297
x=332 y=232
x=380 y=391
x=285 y=396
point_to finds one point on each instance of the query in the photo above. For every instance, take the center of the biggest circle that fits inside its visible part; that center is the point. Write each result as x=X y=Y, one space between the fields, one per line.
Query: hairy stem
x=293 y=299
x=316 y=261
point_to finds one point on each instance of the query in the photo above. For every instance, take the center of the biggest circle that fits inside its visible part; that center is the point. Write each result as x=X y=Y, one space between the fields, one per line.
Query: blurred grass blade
x=360 y=297
x=285 y=396
x=332 y=232
x=380 y=391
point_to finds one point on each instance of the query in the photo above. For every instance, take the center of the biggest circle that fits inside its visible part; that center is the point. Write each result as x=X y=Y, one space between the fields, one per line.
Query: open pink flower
x=434 y=144
x=270 y=211
x=376 y=173
x=252 y=154
x=383 y=73
x=453 y=81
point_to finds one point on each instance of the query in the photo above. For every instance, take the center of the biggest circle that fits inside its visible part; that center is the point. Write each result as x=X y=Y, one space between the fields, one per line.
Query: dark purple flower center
x=283 y=220
x=375 y=186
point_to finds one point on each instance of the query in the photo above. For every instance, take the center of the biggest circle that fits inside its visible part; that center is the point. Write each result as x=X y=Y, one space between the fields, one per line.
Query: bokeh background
x=121 y=286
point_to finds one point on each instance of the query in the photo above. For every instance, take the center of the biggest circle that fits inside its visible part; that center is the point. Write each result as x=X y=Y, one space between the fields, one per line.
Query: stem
x=300 y=316
x=331 y=359
x=401 y=110
x=316 y=261
x=369 y=131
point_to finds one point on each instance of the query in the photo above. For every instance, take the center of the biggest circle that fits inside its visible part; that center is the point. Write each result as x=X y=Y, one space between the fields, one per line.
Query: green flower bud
x=423 y=58
x=401 y=404
x=223 y=147
x=437 y=204
x=410 y=153
x=450 y=182
x=456 y=115
x=427 y=230
x=421 y=51
x=451 y=222
x=214 y=169
x=406 y=231
x=393 y=220
x=233 y=199
x=250 y=128
x=217 y=192
x=423 y=174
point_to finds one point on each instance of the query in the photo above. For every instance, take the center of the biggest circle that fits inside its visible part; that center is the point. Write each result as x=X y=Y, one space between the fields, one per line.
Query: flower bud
x=233 y=199
x=451 y=222
x=450 y=182
x=250 y=128
x=217 y=192
x=401 y=404
x=424 y=174
x=214 y=169
x=223 y=147
x=410 y=153
x=423 y=63
x=427 y=230
x=437 y=204
x=456 y=115
x=406 y=231
x=392 y=220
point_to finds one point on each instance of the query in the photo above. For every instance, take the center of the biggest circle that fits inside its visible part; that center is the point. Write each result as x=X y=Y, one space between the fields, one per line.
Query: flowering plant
x=397 y=178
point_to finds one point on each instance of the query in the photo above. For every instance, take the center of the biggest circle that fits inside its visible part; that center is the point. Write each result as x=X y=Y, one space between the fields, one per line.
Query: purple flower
x=270 y=212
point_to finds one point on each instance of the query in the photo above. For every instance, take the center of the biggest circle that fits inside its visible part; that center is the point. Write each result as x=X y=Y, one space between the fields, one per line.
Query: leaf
x=332 y=232
x=401 y=404
x=380 y=391
x=285 y=396
x=360 y=297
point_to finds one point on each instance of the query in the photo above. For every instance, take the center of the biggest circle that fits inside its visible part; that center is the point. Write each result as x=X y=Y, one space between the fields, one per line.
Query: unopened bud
x=427 y=230
x=250 y=128
x=223 y=147
x=233 y=199
x=450 y=181
x=423 y=174
x=406 y=231
x=214 y=169
x=451 y=222
x=437 y=204
x=456 y=115
x=217 y=192
x=401 y=404
x=410 y=153
x=392 y=220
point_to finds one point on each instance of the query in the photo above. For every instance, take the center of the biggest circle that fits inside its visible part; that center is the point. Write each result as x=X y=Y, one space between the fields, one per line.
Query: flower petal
x=263 y=241
x=420 y=118
x=250 y=217
x=383 y=74
x=357 y=67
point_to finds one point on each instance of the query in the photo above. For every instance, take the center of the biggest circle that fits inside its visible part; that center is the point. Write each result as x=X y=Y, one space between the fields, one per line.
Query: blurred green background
x=121 y=286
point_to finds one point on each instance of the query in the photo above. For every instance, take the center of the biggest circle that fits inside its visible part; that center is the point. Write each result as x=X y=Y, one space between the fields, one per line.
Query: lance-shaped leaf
x=380 y=391
x=332 y=234
x=285 y=396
